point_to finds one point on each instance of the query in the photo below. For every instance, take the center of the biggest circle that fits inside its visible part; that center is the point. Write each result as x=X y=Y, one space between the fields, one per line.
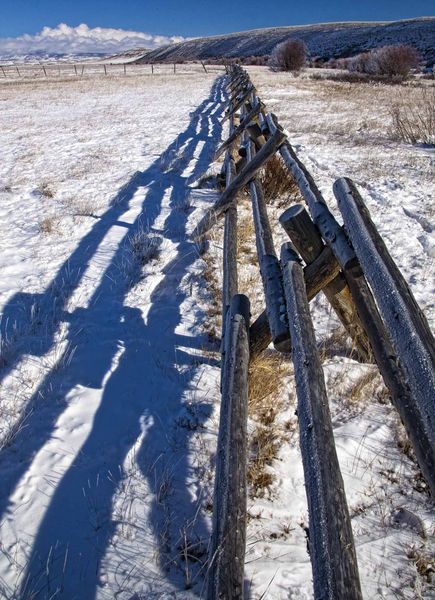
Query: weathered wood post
x=105 y=69
x=308 y=242
x=230 y=280
x=269 y=265
x=317 y=275
x=405 y=322
x=332 y=551
x=238 y=183
x=228 y=540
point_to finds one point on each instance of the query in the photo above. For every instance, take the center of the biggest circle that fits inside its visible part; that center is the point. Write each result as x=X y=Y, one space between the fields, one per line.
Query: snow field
x=108 y=480
x=104 y=477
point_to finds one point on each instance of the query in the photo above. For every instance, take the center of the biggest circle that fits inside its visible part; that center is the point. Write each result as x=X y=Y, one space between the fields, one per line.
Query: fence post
x=228 y=540
x=332 y=551
x=406 y=325
x=269 y=265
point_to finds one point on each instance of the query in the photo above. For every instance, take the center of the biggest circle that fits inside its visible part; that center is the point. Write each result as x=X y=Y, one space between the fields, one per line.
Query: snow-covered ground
x=102 y=351
x=341 y=129
x=110 y=385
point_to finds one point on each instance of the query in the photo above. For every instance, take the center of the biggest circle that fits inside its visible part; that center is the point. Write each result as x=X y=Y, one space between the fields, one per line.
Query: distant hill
x=324 y=40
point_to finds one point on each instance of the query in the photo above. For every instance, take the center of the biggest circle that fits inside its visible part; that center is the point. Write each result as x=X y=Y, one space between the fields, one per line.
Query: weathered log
x=240 y=89
x=332 y=551
x=259 y=335
x=245 y=175
x=237 y=131
x=230 y=285
x=228 y=539
x=235 y=82
x=255 y=134
x=406 y=325
x=306 y=238
x=241 y=164
x=269 y=266
x=329 y=229
x=317 y=275
x=238 y=103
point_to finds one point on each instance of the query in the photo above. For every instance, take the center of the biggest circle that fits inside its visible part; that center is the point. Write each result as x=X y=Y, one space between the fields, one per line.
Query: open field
x=110 y=375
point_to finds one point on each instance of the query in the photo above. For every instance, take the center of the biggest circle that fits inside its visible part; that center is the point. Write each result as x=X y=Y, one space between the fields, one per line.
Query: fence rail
x=387 y=328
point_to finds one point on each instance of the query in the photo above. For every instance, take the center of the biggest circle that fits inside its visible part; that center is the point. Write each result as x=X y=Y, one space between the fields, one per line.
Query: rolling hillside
x=323 y=40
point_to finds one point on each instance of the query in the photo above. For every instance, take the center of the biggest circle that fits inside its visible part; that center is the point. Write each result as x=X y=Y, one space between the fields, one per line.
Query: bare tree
x=290 y=55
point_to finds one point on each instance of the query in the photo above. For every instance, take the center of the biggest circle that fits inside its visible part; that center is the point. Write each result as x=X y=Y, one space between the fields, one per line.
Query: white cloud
x=82 y=39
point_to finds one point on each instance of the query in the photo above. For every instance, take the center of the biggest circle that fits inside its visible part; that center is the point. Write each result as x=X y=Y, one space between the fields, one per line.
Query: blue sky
x=195 y=18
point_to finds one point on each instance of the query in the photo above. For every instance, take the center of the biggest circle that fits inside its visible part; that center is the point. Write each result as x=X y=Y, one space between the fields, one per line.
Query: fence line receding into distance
x=353 y=268
x=51 y=70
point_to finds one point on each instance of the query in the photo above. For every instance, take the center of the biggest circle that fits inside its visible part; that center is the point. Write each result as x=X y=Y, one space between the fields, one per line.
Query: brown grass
x=279 y=186
x=264 y=406
x=45 y=190
x=245 y=238
x=48 y=225
x=424 y=562
x=414 y=122
x=213 y=324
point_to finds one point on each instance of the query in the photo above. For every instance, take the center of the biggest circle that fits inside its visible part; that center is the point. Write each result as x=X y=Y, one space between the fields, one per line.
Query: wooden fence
x=88 y=68
x=353 y=268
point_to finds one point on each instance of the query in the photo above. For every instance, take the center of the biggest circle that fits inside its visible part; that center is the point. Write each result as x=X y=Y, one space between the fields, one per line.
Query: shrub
x=363 y=63
x=290 y=55
x=388 y=61
x=396 y=61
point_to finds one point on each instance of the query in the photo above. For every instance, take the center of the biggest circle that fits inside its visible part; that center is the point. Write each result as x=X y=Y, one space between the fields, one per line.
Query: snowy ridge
x=323 y=40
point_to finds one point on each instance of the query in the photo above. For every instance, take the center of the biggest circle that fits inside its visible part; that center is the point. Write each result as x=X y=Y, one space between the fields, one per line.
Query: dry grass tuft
x=264 y=406
x=213 y=323
x=264 y=386
x=337 y=344
x=245 y=237
x=279 y=185
x=84 y=208
x=424 y=562
x=414 y=122
x=45 y=190
x=144 y=246
x=363 y=386
x=48 y=224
